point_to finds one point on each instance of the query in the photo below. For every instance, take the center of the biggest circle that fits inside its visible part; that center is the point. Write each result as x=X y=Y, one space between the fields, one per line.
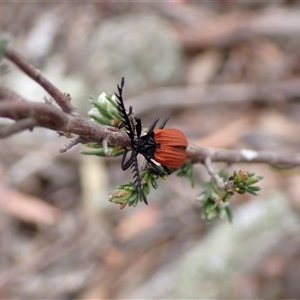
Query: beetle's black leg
x=138 y=127
x=167 y=169
x=156 y=168
x=129 y=162
x=162 y=125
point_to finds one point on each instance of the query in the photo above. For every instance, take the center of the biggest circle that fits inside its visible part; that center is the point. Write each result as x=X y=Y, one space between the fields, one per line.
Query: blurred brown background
x=227 y=74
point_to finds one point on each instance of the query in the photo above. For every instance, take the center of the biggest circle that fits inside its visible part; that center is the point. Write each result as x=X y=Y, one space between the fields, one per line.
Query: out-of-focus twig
x=9 y=129
x=230 y=29
x=199 y=154
x=6 y=94
x=212 y=172
x=71 y=143
x=197 y=96
x=61 y=99
x=51 y=117
x=44 y=115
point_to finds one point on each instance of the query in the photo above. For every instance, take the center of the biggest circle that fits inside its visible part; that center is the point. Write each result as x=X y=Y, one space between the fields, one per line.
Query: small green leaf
x=229 y=213
x=112 y=99
x=100 y=119
x=102 y=108
x=186 y=170
x=94 y=145
x=215 y=201
x=99 y=152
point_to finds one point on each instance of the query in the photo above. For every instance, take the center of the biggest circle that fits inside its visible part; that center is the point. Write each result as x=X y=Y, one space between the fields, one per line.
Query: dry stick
x=73 y=141
x=9 y=129
x=199 y=154
x=45 y=115
x=212 y=172
x=62 y=100
x=91 y=131
x=7 y=94
x=52 y=117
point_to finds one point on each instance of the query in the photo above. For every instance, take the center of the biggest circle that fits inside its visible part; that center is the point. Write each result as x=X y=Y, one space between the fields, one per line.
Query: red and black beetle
x=165 y=146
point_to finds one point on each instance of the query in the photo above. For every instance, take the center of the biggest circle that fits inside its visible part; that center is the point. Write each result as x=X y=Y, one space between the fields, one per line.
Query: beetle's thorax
x=145 y=145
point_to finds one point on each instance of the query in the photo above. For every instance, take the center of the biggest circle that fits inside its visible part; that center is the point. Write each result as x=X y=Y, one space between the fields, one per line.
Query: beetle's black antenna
x=137 y=178
x=133 y=163
x=122 y=110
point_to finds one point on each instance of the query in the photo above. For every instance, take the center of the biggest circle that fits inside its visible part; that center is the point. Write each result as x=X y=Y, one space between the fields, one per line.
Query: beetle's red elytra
x=172 y=145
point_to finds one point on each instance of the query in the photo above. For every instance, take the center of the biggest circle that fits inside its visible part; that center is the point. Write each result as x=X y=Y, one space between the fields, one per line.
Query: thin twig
x=45 y=115
x=212 y=172
x=18 y=126
x=71 y=143
x=62 y=99
x=6 y=94
x=198 y=155
x=51 y=117
x=91 y=131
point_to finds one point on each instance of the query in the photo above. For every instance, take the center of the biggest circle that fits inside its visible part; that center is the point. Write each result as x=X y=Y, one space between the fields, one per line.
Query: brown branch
x=7 y=94
x=51 y=117
x=61 y=99
x=73 y=141
x=91 y=131
x=44 y=115
x=198 y=155
x=212 y=172
x=9 y=129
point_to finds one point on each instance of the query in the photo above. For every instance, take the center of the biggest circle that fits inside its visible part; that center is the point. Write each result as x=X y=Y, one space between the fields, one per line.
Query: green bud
x=119 y=197
x=94 y=145
x=94 y=114
x=241 y=176
x=253 y=180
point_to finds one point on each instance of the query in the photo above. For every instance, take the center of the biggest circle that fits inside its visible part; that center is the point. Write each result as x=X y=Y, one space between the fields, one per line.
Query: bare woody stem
x=212 y=172
x=44 y=115
x=9 y=129
x=199 y=154
x=61 y=99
